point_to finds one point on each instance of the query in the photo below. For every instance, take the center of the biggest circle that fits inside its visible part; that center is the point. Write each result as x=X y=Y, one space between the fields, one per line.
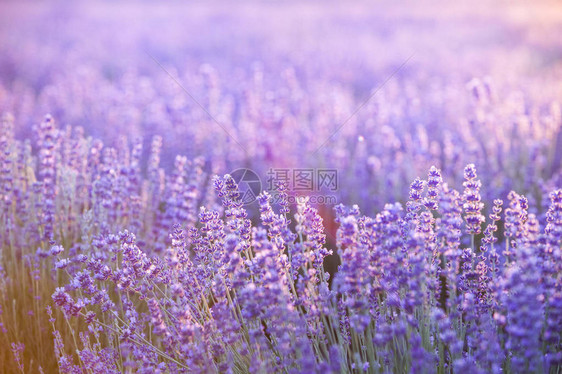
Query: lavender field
x=281 y=187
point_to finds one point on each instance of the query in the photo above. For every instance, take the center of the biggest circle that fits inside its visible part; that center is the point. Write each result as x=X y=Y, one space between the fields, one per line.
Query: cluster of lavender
x=65 y=190
x=157 y=272
x=45 y=196
x=419 y=289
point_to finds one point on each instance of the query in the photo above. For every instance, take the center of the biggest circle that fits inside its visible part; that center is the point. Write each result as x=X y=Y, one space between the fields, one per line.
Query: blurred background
x=450 y=83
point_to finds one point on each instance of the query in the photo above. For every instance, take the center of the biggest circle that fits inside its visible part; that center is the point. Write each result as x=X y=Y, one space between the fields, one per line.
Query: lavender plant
x=141 y=285
x=244 y=298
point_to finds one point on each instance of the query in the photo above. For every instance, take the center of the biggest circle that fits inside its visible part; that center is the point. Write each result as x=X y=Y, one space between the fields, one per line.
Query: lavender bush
x=126 y=245
x=149 y=276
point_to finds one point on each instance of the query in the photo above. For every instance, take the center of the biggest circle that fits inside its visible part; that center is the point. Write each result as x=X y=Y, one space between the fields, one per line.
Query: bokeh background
x=479 y=85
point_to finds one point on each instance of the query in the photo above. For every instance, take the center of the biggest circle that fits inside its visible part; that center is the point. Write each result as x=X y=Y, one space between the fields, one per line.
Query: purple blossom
x=471 y=198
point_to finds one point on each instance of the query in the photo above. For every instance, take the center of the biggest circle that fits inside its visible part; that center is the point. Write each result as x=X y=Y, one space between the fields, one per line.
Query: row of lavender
x=408 y=126
x=157 y=272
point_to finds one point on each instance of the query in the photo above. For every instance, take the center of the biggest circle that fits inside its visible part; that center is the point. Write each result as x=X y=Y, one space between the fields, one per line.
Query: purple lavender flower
x=515 y=223
x=434 y=181
x=472 y=205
